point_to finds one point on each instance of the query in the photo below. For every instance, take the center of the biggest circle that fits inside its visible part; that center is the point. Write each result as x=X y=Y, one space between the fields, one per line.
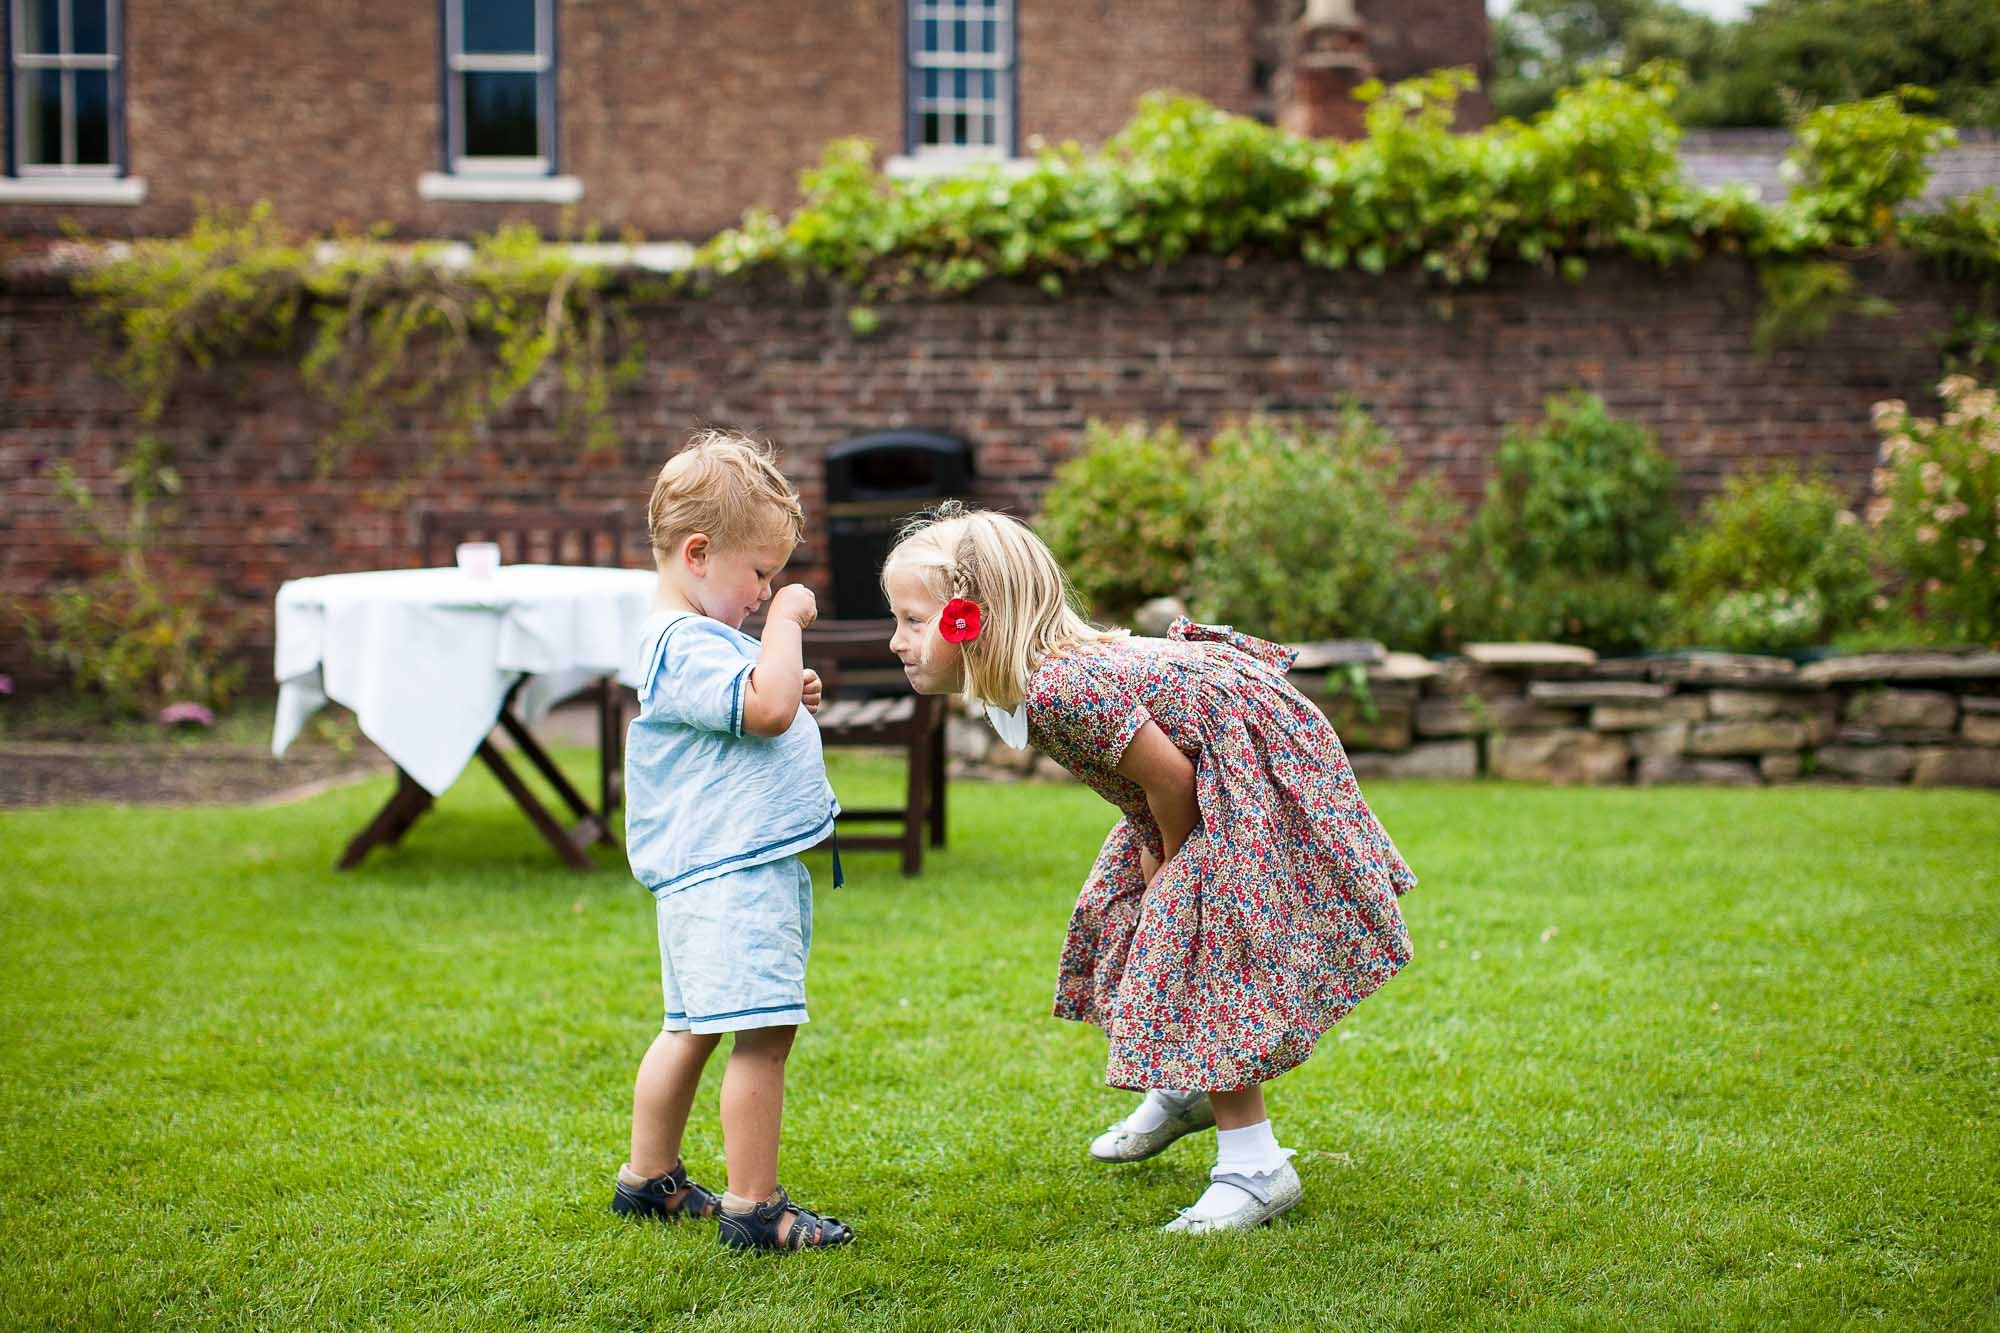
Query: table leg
x=391 y=822
x=569 y=848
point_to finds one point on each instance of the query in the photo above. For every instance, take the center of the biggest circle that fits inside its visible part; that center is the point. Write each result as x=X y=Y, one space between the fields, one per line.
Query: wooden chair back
x=526 y=537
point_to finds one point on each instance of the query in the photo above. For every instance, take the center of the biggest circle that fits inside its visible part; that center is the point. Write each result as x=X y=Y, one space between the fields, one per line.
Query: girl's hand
x=811 y=690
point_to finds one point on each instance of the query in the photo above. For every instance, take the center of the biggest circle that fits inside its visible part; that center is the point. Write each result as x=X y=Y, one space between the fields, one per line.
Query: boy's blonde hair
x=1027 y=607
x=727 y=485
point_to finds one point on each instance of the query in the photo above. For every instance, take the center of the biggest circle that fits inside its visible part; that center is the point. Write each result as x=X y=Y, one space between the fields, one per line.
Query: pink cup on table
x=479 y=560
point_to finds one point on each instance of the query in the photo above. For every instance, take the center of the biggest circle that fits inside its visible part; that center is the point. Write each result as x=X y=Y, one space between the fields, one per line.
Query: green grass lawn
x=1666 y=1057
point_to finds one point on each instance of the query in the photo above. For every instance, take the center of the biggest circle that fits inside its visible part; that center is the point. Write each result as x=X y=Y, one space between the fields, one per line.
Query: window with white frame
x=961 y=78
x=66 y=104
x=500 y=87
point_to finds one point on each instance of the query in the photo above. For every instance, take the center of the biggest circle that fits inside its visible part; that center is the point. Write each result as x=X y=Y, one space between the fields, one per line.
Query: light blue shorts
x=733 y=950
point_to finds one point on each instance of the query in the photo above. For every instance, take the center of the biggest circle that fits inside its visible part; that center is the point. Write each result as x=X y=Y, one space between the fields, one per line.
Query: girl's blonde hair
x=1027 y=608
x=727 y=485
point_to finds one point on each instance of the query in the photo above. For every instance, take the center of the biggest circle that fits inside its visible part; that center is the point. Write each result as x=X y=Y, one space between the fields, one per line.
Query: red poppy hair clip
x=959 y=621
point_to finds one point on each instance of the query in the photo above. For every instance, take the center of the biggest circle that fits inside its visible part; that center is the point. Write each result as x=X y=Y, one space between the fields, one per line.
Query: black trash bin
x=874 y=483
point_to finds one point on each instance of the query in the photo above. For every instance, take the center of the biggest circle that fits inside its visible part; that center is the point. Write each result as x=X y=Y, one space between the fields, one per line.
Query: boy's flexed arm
x=1156 y=764
x=777 y=682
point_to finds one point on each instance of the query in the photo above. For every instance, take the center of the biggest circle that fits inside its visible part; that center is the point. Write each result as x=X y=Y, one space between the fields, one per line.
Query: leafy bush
x=1122 y=516
x=1304 y=536
x=1775 y=563
x=1936 y=508
x=135 y=647
x=1858 y=162
x=1568 y=540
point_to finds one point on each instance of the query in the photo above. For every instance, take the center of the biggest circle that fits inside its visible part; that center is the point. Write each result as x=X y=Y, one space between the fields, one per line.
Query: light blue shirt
x=702 y=798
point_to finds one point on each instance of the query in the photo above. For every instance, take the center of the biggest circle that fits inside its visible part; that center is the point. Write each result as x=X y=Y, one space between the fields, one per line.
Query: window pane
x=959 y=83
x=499 y=27
x=500 y=115
x=958 y=35
x=93 y=117
x=933 y=128
x=988 y=85
x=41 y=117
x=41 y=27
x=959 y=128
x=930 y=35
x=90 y=34
x=931 y=77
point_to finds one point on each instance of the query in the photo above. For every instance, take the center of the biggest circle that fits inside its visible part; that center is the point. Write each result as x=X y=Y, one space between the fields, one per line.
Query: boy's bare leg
x=1239 y=1109
x=753 y=1106
x=662 y=1096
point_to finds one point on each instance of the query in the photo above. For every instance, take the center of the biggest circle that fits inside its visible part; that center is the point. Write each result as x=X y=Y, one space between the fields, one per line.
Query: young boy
x=725 y=785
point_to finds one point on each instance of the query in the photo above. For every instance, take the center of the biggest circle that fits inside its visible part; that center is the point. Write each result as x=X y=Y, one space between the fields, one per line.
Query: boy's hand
x=811 y=690
x=795 y=601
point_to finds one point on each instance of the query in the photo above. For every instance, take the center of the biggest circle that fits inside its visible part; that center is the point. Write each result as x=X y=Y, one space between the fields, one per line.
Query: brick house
x=665 y=117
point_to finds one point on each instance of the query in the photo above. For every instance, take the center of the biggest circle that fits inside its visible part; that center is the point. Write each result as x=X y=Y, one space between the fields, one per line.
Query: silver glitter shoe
x=1119 y=1144
x=1265 y=1195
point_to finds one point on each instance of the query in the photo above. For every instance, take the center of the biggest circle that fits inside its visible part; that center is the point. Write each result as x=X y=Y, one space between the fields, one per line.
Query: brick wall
x=1013 y=372
x=1408 y=37
x=675 y=114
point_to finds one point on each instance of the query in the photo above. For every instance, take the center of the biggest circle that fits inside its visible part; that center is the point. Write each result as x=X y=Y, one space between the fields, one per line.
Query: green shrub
x=1612 y=613
x=1936 y=507
x=1122 y=516
x=1775 y=563
x=1305 y=537
x=1858 y=162
x=134 y=647
x=1568 y=540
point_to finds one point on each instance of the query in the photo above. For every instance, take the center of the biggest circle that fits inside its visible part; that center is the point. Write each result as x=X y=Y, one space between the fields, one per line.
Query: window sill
x=922 y=166
x=500 y=189
x=116 y=191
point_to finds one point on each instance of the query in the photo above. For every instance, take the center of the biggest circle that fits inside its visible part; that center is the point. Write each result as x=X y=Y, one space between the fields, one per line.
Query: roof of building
x=1715 y=158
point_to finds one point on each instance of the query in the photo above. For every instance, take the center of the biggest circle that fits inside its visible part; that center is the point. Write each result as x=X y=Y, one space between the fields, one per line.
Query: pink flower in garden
x=1970 y=549
x=1888 y=414
x=1845 y=518
x=1878 y=510
x=1927 y=535
x=1897 y=448
x=1932 y=475
x=1951 y=513
x=1951 y=386
x=6 y=685
x=186 y=714
x=1880 y=480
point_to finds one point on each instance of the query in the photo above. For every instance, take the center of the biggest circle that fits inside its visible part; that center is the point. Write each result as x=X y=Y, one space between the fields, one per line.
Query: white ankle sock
x=1250 y=1151
x=1157 y=1107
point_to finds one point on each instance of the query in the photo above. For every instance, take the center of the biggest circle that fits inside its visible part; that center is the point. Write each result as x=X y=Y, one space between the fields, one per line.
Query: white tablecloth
x=424 y=657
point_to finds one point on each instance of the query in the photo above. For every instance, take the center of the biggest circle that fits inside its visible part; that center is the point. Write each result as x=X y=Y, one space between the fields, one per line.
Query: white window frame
x=458 y=64
x=999 y=62
x=68 y=62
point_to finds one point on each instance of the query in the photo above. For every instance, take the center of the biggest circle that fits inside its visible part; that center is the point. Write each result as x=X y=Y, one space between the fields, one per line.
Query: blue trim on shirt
x=770 y=851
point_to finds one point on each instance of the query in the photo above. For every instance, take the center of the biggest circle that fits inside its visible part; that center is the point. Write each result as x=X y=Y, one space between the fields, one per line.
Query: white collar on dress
x=1013 y=727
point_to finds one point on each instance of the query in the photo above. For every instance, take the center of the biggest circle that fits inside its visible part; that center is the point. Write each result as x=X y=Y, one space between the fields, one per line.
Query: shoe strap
x=1248 y=1184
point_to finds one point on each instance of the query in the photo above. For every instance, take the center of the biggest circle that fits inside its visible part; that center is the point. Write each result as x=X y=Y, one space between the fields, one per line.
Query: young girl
x=1246 y=900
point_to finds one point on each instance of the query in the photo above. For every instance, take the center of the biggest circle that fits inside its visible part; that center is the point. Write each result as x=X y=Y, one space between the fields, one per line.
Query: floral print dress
x=1279 y=914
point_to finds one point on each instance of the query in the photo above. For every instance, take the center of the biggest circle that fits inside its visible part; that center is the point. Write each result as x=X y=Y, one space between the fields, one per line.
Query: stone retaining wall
x=1556 y=714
